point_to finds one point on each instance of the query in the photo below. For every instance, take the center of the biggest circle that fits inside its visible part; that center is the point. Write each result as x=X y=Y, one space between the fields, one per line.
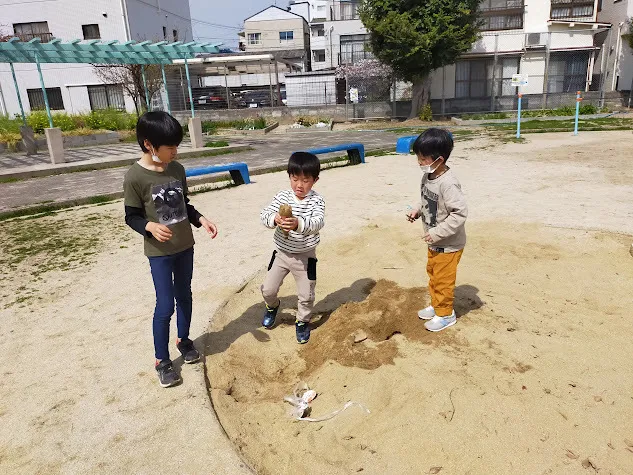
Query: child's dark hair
x=304 y=163
x=159 y=128
x=435 y=143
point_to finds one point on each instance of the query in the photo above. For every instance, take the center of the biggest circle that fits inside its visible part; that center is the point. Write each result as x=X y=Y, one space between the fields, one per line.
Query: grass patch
x=216 y=144
x=212 y=126
x=50 y=244
x=9 y=180
x=535 y=126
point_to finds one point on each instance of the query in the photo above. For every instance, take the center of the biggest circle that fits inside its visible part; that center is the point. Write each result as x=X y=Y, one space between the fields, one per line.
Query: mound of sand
x=533 y=378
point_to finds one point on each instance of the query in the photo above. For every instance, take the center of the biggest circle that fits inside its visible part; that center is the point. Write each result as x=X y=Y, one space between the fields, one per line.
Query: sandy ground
x=79 y=393
x=534 y=377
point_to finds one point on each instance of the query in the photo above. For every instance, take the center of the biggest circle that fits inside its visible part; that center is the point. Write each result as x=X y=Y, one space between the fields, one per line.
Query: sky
x=227 y=16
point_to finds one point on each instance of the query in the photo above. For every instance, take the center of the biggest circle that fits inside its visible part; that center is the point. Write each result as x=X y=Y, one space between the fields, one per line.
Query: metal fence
x=552 y=66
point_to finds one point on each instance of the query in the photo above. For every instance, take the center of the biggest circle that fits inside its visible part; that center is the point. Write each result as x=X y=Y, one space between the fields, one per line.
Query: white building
x=337 y=35
x=75 y=88
x=620 y=59
x=553 y=43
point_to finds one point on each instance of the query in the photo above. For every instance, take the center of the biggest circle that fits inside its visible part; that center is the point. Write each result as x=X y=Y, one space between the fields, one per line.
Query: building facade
x=619 y=63
x=554 y=44
x=75 y=88
x=337 y=35
x=280 y=32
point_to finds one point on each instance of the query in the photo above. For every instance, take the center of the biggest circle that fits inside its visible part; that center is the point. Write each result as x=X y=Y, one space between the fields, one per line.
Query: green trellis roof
x=100 y=52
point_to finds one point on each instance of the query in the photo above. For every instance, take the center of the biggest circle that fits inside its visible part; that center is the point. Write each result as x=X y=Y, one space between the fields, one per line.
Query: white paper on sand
x=301 y=398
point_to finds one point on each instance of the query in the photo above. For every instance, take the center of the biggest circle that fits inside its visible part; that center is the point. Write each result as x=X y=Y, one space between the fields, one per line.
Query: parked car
x=204 y=98
x=254 y=99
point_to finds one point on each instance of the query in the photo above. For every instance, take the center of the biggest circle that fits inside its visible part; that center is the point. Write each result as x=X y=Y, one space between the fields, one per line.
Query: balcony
x=573 y=10
x=44 y=37
x=344 y=10
x=502 y=15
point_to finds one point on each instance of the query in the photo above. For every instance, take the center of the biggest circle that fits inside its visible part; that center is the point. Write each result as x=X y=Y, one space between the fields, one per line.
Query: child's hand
x=289 y=224
x=428 y=239
x=279 y=220
x=211 y=228
x=413 y=215
x=160 y=232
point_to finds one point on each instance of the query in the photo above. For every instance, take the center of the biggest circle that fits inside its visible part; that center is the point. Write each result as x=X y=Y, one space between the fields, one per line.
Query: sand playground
x=535 y=378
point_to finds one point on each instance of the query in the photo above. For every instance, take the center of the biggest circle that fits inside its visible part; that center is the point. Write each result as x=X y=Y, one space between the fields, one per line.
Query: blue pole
x=193 y=112
x=519 y=118
x=17 y=90
x=578 y=99
x=162 y=68
x=48 y=109
x=149 y=107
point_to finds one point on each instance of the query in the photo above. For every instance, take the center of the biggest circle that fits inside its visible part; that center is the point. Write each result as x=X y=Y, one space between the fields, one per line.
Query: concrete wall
x=147 y=21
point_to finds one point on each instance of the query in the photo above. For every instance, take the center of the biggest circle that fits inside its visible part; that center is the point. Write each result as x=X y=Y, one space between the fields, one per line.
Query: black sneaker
x=303 y=331
x=269 y=317
x=188 y=351
x=166 y=374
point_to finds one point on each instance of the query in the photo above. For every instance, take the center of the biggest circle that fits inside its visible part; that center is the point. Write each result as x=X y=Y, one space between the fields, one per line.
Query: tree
x=415 y=37
x=372 y=78
x=130 y=77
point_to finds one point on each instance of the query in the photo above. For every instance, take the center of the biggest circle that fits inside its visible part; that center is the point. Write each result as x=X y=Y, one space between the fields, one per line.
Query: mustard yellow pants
x=442 y=270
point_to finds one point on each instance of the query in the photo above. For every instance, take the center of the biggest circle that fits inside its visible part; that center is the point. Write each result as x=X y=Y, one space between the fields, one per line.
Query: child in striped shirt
x=296 y=239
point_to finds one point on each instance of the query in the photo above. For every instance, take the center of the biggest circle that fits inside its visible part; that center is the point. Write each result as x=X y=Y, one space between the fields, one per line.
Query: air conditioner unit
x=534 y=40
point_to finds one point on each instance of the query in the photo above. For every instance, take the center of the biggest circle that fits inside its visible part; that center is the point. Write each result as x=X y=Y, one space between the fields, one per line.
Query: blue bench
x=404 y=144
x=238 y=171
x=355 y=151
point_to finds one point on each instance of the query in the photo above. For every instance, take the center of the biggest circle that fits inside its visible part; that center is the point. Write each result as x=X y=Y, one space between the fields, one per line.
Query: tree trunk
x=421 y=95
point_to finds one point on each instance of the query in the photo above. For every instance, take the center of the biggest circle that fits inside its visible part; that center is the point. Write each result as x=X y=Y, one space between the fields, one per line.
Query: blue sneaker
x=269 y=317
x=303 y=331
x=437 y=324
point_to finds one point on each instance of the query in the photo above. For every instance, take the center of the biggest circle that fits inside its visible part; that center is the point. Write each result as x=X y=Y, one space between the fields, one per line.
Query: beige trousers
x=303 y=269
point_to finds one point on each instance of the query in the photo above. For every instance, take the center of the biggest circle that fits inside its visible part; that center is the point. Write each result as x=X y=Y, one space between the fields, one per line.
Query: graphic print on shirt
x=169 y=201
x=429 y=207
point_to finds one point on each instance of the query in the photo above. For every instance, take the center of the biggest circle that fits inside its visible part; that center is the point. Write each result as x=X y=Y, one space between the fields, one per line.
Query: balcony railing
x=342 y=10
x=44 y=37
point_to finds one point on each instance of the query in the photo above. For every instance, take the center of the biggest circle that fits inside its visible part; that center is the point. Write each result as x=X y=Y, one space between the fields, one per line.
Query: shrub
x=426 y=114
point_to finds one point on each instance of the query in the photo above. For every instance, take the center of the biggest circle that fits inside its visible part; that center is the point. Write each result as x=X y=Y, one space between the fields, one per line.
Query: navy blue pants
x=172 y=281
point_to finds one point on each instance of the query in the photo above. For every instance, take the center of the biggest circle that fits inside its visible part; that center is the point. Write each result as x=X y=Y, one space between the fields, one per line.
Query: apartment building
x=337 y=35
x=75 y=88
x=619 y=60
x=553 y=43
x=280 y=32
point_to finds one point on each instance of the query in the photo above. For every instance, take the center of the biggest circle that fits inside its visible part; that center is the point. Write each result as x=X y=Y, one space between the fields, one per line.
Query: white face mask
x=430 y=168
x=155 y=158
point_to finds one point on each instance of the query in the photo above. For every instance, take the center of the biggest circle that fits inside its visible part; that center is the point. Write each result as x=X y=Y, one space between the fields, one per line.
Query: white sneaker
x=437 y=324
x=427 y=313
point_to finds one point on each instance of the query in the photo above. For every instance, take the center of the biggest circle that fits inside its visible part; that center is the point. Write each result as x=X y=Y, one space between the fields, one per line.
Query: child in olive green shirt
x=157 y=207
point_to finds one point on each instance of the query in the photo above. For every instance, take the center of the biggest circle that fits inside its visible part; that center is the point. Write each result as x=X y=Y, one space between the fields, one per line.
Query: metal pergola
x=100 y=52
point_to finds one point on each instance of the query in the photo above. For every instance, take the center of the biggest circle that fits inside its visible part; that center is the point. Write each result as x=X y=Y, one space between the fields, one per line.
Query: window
x=91 y=32
x=164 y=32
x=28 y=31
x=355 y=48
x=572 y=9
x=474 y=78
x=318 y=55
x=175 y=35
x=567 y=72
x=318 y=30
x=502 y=22
x=254 y=38
x=345 y=10
x=106 y=97
x=36 y=99
x=286 y=35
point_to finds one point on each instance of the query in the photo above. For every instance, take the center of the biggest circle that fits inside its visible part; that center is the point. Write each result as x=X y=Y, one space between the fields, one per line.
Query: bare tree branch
x=130 y=77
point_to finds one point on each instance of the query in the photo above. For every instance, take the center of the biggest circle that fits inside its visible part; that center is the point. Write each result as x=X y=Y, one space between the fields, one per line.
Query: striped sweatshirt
x=310 y=213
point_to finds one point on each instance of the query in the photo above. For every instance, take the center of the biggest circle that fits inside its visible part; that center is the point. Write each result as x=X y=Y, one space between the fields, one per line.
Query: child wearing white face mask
x=443 y=210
